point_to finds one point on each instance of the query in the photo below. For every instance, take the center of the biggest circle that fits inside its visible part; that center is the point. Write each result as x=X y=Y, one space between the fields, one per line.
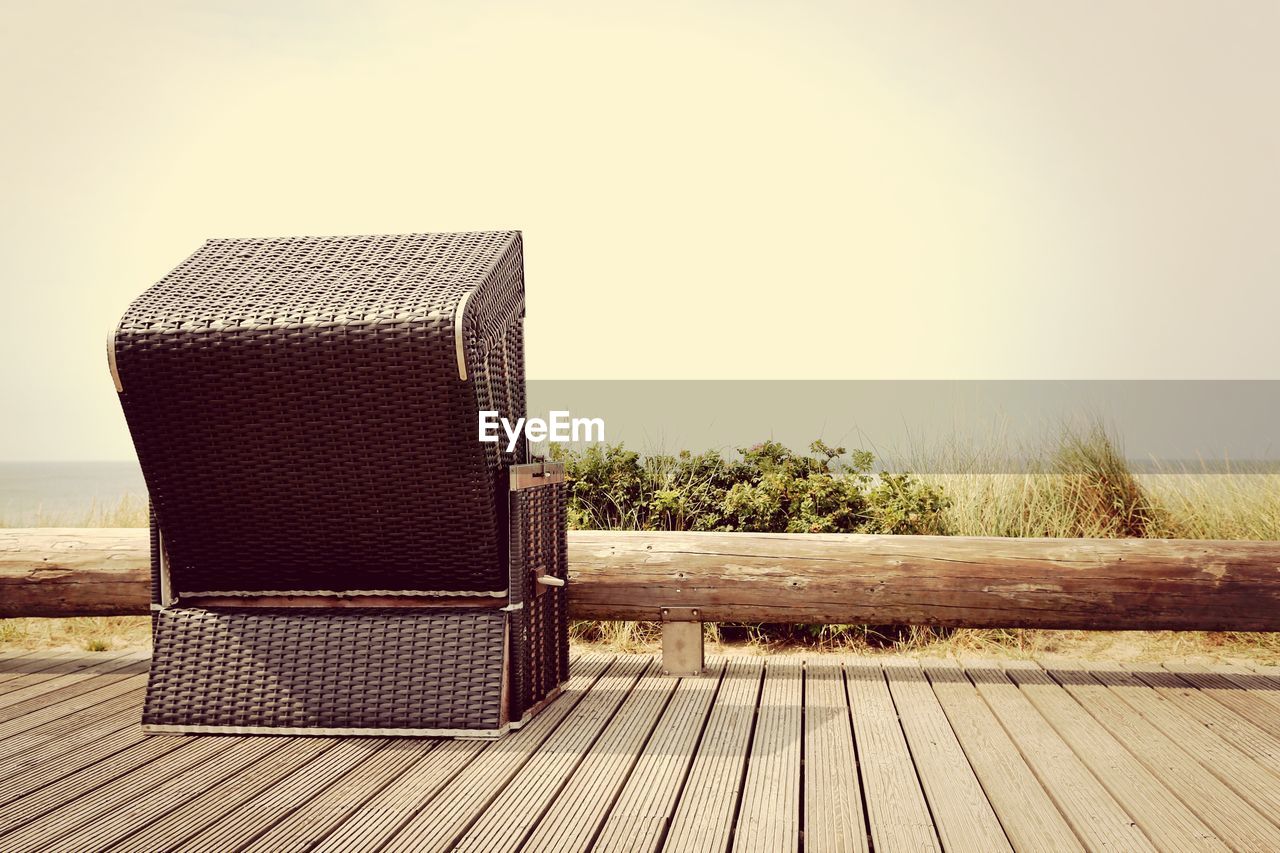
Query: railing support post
x=681 y=641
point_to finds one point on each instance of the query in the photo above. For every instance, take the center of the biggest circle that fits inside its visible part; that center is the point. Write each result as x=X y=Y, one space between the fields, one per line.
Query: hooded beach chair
x=333 y=549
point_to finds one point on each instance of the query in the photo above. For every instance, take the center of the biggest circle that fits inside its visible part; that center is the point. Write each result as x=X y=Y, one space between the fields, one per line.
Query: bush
x=770 y=489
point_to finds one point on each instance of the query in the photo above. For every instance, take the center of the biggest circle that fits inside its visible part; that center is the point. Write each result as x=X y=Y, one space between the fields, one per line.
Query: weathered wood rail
x=954 y=581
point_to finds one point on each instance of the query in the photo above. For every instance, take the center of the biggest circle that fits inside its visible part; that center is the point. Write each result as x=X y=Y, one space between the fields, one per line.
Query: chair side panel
x=540 y=625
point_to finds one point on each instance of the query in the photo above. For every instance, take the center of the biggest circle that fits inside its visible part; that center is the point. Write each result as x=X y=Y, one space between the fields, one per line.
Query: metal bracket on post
x=681 y=641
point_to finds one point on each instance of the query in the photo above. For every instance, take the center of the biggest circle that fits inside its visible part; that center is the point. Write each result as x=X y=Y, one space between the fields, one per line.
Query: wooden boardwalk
x=829 y=753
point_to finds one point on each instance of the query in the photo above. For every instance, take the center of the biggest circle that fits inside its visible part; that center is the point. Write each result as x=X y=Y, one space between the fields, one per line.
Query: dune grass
x=86 y=633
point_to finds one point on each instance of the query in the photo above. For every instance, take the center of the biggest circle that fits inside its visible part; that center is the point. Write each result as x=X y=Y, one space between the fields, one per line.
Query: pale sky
x=707 y=190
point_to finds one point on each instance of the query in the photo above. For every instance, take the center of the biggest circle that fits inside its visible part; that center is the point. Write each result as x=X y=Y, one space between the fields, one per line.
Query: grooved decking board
x=450 y=812
x=66 y=707
x=64 y=723
x=1098 y=820
x=393 y=806
x=833 y=817
x=1263 y=746
x=39 y=771
x=46 y=798
x=37 y=696
x=158 y=803
x=42 y=834
x=6 y=658
x=319 y=817
x=72 y=743
x=896 y=807
x=511 y=816
x=1164 y=818
x=1252 y=704
x=220 y=800
x=1238 y=770
x=961 y=813
x=49 y=687
x=1231 y=818
x=575 y=814
x=1030 y=819
x=257 y=816
x=1262 y=682
x=704 y=816
x=41 y=666
x=638 y=820
x=769 y=818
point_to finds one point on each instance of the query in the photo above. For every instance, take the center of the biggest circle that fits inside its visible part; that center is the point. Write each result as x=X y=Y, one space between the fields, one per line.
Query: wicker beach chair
x=334 y=550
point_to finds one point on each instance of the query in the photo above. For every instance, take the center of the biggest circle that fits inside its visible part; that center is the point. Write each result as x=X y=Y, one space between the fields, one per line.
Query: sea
x=57 y=494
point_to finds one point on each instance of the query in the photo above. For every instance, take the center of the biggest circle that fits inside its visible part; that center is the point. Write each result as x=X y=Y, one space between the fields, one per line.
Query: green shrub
x=770 y=489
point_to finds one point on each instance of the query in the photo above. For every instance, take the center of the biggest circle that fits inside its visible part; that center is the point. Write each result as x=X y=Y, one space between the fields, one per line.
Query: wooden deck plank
x=897 y=812
x=511 y=816
x=833 y=817
x=65 y=723
x=45 y=798
x=45 y=768
x=1260 y=744
x=1260 y=685
x=12 y=693
x=769 y=817
x=1237 y=769
x=36 y=696
x=1260 y=679
x=962 y=815
x=1165 y=819
x=704 y=814
x=17 y=690
x=1029 y=817
x=439 y=823
x=9 y=655
x=393 y=807
x=218 y=801
x=638 y=820
x=1230 y=817
x=158 y=803
x=65 y=707
x=315 y=820
x=576 y=813
x=70 y=742
x=40 y=666
x=253 y=818
x=1098 y=819
x=42 y=833
x=1217 y=686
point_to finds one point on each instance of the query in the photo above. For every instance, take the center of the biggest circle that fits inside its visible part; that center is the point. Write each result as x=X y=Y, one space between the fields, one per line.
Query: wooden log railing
x=829 y=578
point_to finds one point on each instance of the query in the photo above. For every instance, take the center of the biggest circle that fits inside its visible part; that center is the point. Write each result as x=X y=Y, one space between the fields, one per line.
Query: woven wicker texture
x=298 y=414
x=291 y=668
x=540 y=630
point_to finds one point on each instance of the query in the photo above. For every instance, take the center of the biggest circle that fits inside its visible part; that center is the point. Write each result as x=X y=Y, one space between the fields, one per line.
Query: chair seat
x=398 y=671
